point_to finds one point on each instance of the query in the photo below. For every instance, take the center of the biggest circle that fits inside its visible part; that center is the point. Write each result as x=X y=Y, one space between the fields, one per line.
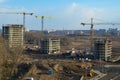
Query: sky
x=66 y=14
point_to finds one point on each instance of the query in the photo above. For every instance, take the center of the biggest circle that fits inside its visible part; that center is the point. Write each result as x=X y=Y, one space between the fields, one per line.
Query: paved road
x=107 y=72
x=115 y=66
x=116 y=77
x=110 y=76
x=112 y=71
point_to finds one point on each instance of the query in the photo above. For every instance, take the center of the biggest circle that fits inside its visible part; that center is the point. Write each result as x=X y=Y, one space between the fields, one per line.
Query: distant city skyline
x=69 y=13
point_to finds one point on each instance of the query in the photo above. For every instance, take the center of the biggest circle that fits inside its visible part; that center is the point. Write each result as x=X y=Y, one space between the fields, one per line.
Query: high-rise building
x=13 y=34
x=102 y=49
x=50 y=46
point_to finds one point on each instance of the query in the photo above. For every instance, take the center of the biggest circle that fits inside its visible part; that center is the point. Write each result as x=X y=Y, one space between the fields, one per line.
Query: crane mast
x=23 y=13
x=42 y=21
x=91 y=35
x=92 y=31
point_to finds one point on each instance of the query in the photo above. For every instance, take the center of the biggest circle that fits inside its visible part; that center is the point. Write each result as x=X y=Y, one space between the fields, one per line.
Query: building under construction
x=13 y=34
x=50 y=46
x=102 y=49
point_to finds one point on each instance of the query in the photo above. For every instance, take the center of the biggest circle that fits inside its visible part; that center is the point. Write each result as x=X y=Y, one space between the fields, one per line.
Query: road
x=112 y=72
x=99 y=76
x=116 y=78
x=107 y=72
x=114 y=66
x=111 y=76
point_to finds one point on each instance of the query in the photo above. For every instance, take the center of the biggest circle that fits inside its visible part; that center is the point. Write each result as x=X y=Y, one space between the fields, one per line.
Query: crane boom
x=92 y=30
x=14 y=13
x=23 y=13
x=100 y=24
x=42 y=20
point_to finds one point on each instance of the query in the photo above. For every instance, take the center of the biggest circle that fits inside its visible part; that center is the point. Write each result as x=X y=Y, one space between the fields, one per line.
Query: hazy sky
x=68 y=13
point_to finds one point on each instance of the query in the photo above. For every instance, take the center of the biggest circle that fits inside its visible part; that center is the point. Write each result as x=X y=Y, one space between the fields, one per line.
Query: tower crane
x=92 y=31
x=42 y=20
x=23 y=13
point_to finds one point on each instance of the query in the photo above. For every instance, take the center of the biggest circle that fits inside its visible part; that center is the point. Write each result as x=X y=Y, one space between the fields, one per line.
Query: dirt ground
x=62 y=69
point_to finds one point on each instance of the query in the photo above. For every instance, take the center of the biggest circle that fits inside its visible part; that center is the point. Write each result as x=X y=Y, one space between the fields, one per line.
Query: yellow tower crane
x=92 y=31
x=42 y=20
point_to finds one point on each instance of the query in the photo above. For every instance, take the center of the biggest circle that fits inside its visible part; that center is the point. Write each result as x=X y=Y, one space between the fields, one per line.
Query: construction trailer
x=102 y=49
x=50 y=46
x=13 y=34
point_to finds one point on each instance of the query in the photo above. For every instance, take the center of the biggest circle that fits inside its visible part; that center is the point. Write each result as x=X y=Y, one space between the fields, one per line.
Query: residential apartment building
x=102 y=49
x=50 y=46
x=13 y=34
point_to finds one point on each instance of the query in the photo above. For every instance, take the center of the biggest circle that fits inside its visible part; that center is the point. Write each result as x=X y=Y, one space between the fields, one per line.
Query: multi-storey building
x=13 y=34
x=50 y=46
x=102 y=49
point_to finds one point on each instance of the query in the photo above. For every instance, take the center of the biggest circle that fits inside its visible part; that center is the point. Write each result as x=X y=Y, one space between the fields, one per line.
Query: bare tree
x=9 y=61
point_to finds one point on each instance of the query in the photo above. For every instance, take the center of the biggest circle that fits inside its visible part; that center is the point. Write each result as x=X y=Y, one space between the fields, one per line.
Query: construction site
x=39 y=56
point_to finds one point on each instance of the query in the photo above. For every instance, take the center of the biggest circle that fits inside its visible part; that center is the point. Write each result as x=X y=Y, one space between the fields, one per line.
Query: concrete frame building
x=102 y=49
x=13 y=34
x=50 y=46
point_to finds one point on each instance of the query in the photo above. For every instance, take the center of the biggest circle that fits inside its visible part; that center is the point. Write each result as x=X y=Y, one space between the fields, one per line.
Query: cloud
x=76 y=13
x=69 y=16
x=2 y=1
x=71 y=9
x=87 y=12
x=78 y=10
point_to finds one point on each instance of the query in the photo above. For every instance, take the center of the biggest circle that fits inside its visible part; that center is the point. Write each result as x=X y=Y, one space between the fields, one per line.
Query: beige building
x=13 y=34
x=50 y=46
x=102 y=49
